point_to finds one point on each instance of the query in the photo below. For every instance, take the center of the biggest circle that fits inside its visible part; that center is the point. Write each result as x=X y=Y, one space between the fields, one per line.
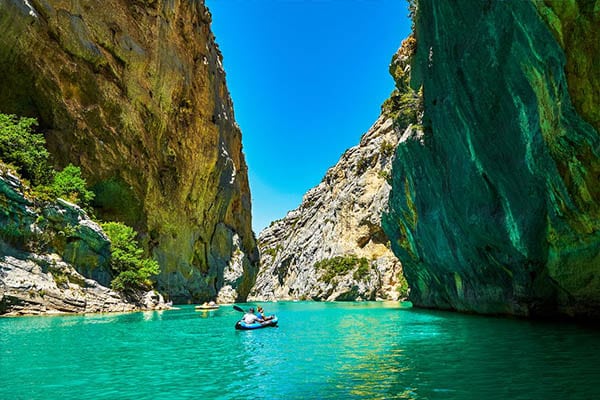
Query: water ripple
x=320 y=351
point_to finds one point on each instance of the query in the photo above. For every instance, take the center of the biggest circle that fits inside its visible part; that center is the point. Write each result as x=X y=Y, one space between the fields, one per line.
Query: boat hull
x=206 y=308
x=242 y=326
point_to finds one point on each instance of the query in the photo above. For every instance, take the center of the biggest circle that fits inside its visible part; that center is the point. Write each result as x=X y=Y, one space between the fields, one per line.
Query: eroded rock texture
x=54 y=259
x=332 y=247
x=134 y=93
x=337 y=220
x=495 y=205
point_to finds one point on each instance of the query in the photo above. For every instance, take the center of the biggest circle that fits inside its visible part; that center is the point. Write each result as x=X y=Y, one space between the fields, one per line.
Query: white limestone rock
x=339 y=217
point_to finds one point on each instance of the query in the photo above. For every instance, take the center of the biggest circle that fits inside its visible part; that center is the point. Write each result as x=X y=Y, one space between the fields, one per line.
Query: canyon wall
x=495 y=201
x=134 y=93
x=332 y=246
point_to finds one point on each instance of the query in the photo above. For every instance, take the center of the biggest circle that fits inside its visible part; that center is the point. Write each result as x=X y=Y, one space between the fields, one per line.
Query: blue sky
x=307 y=79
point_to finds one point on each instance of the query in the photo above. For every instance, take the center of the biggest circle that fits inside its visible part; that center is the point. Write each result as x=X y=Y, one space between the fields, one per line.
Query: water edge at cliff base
x=319 y=351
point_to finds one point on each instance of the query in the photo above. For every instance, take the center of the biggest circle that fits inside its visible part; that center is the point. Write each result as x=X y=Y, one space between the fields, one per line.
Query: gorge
x=476 y=190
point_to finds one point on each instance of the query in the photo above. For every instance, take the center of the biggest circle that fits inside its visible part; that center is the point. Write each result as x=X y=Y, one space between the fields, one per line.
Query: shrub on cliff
x=69 y=185
x=341 y=265
x=24 y=149
x=132 y=270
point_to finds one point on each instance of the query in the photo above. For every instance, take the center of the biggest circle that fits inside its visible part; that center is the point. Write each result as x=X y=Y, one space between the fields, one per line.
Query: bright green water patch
x=320 y=351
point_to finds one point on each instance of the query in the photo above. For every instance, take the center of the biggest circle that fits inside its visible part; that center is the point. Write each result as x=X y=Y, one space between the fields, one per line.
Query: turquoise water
x=320 y=351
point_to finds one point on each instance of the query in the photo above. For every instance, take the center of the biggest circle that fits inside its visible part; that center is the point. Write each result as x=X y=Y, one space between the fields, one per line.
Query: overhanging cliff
x=134 y=92
x=495 y=203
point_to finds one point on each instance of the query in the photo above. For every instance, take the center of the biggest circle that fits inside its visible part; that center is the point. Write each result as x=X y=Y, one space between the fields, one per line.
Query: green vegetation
x=115 y=200
x=273 y=250
x=127 y=261
x=402 y=286
x=341 y=265
x=61 y=279
x=13 y=234
x=69 y=184
x=386 y=149
x=363 y=269
x=24 y=149
x=385 y=175
x=405 y=108
x=362 y=164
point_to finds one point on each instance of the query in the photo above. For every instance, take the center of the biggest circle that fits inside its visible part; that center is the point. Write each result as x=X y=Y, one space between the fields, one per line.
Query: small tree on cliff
x=69 y=185
x=132 y=270
x=24 y=149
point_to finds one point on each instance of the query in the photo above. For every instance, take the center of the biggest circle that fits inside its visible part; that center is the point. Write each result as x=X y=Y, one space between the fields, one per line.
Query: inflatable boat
x=241 y=325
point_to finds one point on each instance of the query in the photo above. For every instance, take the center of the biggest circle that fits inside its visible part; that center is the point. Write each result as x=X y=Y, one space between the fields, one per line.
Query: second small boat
x=207 y=307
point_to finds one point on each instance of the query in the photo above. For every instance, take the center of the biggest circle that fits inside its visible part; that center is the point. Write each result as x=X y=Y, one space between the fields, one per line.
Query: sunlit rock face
x=332 y=247
x=134 y=92
x=340 y=217
x=495 y=202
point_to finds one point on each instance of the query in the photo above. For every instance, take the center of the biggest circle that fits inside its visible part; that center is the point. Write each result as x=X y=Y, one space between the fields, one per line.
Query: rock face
x=332 y=247
x=134 y=93
x=495 y=202
x=48 y=254
x=34 y=284
x=59 y=228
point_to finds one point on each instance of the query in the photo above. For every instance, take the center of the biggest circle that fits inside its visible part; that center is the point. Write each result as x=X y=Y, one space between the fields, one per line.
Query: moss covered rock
x=495 y=205
x=134 y=93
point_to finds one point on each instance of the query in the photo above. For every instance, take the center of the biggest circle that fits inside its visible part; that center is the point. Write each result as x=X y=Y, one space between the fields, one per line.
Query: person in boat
x=250 y=317
x=261 y=314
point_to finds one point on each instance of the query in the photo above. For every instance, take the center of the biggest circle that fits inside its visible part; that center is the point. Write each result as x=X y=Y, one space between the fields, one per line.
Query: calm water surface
x=320 y=351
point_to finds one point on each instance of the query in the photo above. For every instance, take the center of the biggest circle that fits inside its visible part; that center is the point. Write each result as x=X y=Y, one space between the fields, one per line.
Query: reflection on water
x=319 y=351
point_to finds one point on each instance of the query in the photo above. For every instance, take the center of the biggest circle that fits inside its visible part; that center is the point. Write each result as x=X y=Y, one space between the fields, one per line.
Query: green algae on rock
x=134 y=93
x=495 y=203
x=576 y=26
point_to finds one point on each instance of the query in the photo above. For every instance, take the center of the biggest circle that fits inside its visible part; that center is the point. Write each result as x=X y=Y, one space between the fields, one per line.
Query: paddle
x=238 y=308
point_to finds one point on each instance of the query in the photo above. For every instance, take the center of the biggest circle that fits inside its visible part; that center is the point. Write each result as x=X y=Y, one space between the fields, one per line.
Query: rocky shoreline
x=68 y=272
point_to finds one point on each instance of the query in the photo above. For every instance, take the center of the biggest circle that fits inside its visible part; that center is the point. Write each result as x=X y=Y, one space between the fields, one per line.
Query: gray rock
x=340 y=217
x=49 y=260
x=84 y=245
x=34 y=284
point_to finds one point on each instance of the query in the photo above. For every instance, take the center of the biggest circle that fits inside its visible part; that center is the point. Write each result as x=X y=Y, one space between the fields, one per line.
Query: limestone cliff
x=134 y=92
x=495 y=201
x=48 y=254
x=332 y=246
